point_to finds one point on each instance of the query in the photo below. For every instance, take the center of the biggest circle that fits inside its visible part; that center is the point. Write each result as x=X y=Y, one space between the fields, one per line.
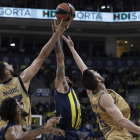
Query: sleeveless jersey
x=3 y=130
x=68 y=110
x=14 y=88
x=106 y=123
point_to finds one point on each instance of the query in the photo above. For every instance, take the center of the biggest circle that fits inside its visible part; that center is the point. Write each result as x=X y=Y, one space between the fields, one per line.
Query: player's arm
x=76 y=56
x=60 y=83
x=107 y=102
x=31 y=71
x=16 y=131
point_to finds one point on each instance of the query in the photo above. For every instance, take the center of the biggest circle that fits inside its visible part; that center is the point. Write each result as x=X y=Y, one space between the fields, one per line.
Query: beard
x=70 y=84
x=24 y=114
x=13 y=74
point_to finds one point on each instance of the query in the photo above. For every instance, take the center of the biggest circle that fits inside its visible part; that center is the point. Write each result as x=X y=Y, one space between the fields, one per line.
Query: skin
x=106 y=101
x=16 y=133
x=61 y=82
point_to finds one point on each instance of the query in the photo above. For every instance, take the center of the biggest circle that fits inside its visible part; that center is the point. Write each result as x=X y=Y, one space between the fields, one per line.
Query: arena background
x=106 y=34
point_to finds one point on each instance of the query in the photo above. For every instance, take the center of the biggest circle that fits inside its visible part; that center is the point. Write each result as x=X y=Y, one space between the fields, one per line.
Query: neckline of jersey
x=96 y=92
x=7 y=82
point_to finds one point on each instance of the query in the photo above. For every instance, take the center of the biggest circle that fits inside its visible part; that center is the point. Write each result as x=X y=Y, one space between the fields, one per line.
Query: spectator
x=85 y=133
x=38 y=105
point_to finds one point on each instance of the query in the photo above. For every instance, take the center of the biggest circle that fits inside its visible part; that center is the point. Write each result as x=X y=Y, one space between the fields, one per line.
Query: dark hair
x=2 y=70
x=8 y=109
x=89 y=80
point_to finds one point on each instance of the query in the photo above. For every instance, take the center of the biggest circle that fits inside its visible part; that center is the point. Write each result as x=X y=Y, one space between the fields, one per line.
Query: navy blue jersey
x=68 y=110
x=3 y=130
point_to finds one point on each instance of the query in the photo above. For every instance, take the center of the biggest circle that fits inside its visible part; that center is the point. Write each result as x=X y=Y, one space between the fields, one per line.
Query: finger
x=63 y=133
x=53 y=27
x=55 y=118
x=61 y=23
x=55 y=122
x=69 y=37
x=54 y=22
x=64 y=38
x=67 y=23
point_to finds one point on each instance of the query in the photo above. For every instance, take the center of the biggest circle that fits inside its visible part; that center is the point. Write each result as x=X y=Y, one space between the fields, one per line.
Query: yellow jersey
x=14 y=88
x=106 y=123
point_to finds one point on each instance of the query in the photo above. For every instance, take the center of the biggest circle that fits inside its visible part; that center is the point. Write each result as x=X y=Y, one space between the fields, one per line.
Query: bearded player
x=14 y=113
x=17 y=87
x=110 y=108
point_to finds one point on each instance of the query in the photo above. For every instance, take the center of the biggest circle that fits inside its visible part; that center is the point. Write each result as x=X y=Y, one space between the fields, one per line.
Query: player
x=17 y=87
x=66 y=103
x=13 y=111
x=110 y=108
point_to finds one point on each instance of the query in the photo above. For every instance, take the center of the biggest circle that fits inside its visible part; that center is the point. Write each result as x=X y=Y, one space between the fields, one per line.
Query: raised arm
x=107 y=102
x=76 y=56
x=32 y=70
x=60 y=83
x=81 y=65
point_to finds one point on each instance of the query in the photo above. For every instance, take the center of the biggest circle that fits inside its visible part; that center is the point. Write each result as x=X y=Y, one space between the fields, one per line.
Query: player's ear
x=18 y=111
x=7 y=72
x=98 y=80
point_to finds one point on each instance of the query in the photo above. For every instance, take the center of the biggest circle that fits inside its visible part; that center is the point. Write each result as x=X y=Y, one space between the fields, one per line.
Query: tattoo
x=35 y=130
x=58 y=48
x=60 y=71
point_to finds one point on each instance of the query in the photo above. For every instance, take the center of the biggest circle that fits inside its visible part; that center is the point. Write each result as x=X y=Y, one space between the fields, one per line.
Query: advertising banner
x=79 y=15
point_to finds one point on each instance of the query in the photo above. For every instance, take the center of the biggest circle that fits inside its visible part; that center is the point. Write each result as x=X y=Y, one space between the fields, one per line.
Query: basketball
x=65 y=11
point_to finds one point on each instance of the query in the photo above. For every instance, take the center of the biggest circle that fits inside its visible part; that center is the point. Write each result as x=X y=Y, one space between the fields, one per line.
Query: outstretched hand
x=68 y=41
x=51 y=122
x=60 y=28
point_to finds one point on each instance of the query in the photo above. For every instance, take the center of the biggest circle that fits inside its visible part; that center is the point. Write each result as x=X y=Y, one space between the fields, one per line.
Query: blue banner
x=101 y=62
x=43 y=92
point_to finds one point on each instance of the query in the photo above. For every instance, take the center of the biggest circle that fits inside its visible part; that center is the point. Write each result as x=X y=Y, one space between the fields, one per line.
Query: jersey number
x=18 y=98
x=105 y=127
x=102 y=122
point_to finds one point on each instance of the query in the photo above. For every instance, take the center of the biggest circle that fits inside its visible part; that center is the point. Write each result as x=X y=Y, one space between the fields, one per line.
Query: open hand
x=60 y=28
x=51 y=122
x=68 y=41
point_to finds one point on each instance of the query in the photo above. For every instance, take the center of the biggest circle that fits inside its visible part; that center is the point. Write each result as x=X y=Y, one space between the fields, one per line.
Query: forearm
x=31 y=134
x=78 y=60
x=59 y=53
x=125 y=123
x=49 y=46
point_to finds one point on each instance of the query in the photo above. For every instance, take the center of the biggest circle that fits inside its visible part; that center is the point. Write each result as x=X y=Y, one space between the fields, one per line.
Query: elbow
x=121 y=121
